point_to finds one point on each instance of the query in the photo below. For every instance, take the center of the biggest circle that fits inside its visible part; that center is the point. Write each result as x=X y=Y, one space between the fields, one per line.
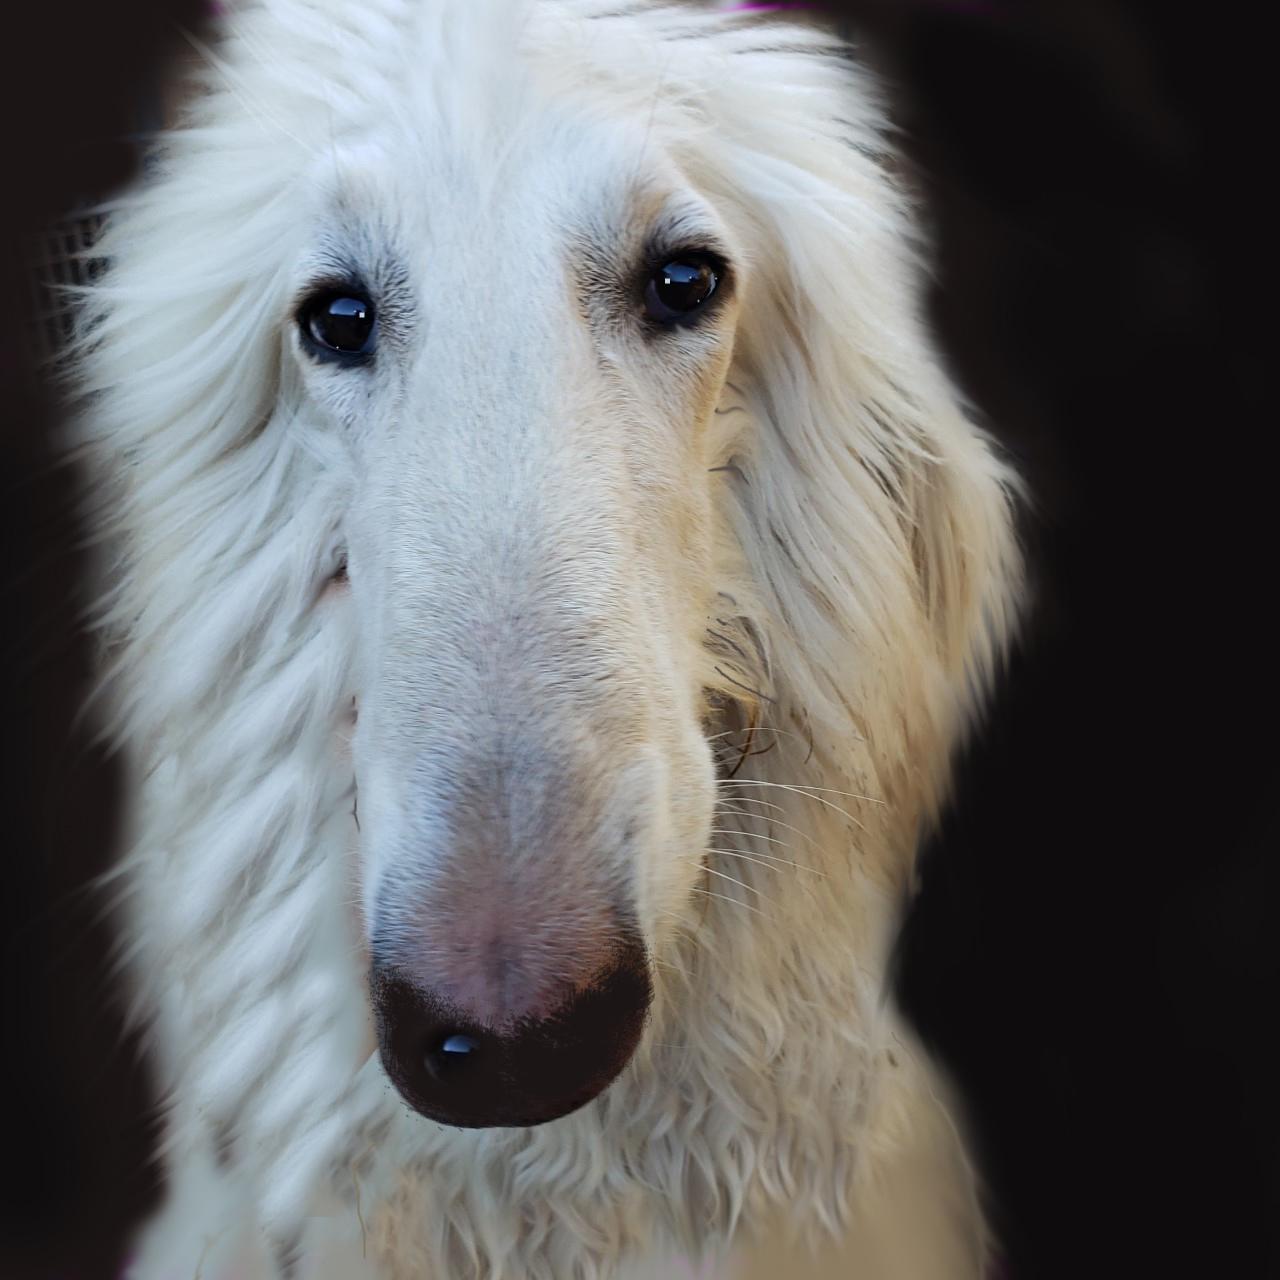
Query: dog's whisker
x=751 y=835
x=819 y=799
x=767 y=861
x=737 y=902
x=768 y=819
x=810 y=793
x=764 y=804
x=794 y=786
x=770 y=728
x=741 y=884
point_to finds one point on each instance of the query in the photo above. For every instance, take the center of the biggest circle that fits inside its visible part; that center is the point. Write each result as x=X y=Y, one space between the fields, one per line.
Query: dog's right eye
x=339 y=324
x=677 y=292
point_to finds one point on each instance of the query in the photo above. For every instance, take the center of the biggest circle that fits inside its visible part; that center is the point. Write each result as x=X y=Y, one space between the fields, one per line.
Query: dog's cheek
x=682 y=848
x=353 y=862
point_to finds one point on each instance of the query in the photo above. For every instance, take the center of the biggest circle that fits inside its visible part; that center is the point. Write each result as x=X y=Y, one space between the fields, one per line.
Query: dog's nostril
x=453 y=1057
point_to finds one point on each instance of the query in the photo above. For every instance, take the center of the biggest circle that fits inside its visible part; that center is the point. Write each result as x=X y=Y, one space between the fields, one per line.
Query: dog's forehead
x=556 y=175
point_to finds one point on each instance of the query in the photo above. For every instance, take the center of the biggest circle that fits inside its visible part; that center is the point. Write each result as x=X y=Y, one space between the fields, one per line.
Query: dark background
x=1092 y=951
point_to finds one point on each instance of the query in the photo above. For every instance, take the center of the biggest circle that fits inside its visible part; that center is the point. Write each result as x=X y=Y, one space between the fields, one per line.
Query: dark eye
x=340 y=323
x=678 y=291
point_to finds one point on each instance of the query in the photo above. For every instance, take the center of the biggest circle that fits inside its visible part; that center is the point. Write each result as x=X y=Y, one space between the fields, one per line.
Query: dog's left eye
x=339 y=323
x=679 y=290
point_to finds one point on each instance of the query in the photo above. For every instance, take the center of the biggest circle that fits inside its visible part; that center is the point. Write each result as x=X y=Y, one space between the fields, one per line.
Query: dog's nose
x=526 y=1071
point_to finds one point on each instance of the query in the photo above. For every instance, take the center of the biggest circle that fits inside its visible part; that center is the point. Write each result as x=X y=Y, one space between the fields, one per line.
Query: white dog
x=549 y=574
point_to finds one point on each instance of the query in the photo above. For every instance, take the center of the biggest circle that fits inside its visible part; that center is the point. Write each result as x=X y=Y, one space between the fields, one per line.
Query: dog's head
x=580 y=359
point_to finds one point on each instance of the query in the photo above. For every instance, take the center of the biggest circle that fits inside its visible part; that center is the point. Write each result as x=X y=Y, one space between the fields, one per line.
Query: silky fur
x=853 y=551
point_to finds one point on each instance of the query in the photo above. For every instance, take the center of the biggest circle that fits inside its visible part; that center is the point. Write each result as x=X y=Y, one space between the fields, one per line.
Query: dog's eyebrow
x=681 y=229
x=337 y=265
x=332 y=261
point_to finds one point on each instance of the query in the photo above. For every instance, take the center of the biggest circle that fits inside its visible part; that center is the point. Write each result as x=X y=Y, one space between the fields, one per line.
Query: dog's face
x=524 y=363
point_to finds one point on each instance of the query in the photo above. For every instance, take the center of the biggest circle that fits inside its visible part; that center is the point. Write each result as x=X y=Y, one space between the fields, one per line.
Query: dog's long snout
x=456 y=1068
x=510 y=903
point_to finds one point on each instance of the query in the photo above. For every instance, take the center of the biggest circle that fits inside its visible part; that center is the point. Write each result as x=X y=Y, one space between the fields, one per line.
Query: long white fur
x=860 y=547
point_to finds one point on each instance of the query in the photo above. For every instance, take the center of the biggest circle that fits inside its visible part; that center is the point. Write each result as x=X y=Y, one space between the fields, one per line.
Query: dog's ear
x=203 y=486
x=877 y=518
